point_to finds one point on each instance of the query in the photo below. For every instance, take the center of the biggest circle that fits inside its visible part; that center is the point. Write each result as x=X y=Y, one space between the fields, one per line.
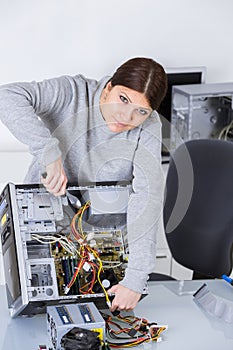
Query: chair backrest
x=198 y=208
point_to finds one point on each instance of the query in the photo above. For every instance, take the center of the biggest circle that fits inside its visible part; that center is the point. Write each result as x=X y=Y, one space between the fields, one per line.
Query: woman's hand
x=55 y=180
x=125 y=298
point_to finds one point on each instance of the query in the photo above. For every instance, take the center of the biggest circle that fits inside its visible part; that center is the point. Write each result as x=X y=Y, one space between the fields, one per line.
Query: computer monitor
x=177 y=76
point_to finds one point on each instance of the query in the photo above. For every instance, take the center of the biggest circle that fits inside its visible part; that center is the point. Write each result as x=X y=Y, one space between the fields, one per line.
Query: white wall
x=47 y=38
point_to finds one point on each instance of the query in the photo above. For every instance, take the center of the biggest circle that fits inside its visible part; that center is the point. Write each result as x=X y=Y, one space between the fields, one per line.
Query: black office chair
x=198 y=208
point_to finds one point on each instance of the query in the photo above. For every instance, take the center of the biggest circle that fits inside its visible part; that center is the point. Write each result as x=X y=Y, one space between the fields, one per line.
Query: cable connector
x=66 y=290
x=109 y=304
x=115 y=312
x=86 y=266
x=132 y=332
x=91 y=257
x=80 y=241
x=154 y=327
x=90 y=236
x=143 y=328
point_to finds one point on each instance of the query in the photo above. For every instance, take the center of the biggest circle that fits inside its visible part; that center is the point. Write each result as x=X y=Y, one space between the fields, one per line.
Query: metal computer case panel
x=200 y=111
x=36 y=273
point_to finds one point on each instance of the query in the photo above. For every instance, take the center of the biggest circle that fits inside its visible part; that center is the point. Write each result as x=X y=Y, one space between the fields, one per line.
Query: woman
x=82 y=130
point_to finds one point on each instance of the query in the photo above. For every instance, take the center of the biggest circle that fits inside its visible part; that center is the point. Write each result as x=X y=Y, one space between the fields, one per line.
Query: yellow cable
x=98 y=273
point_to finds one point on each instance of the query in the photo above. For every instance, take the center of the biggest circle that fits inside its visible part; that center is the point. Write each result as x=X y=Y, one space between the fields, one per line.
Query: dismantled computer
x=60 y=250
x=201 y=111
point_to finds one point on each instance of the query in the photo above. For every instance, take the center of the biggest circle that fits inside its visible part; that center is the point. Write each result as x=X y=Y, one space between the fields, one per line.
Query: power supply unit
x=62 y=318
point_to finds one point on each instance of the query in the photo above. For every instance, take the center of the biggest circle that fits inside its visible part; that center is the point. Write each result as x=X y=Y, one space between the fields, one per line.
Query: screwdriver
x=75 y=202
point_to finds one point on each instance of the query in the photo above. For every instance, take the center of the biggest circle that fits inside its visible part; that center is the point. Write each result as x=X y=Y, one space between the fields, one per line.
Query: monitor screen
x=177 y=76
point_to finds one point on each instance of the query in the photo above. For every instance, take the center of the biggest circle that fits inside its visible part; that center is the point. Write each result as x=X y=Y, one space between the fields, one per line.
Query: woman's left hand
x=125 y=298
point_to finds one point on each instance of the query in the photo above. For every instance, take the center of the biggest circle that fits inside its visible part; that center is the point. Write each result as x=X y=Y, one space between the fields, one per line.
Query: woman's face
x=122 y=108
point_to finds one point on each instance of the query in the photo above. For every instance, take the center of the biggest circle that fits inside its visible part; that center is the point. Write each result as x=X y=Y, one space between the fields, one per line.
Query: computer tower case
x=201 y=111
x=44 y=239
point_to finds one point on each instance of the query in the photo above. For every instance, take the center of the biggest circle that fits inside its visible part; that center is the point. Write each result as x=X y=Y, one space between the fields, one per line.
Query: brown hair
x=143 y=75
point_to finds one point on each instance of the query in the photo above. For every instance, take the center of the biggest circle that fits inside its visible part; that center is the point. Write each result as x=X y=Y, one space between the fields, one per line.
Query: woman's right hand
x=55 y=180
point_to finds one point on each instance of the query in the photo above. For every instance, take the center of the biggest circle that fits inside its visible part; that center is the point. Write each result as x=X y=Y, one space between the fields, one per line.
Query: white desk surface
x=189 y=328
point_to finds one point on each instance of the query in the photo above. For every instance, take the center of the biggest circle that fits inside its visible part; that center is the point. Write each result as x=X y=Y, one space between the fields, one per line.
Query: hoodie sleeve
x=25 y=106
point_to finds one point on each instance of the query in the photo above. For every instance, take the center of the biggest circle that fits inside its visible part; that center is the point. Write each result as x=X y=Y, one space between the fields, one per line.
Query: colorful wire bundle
x=88 y=256
x=130 y=331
